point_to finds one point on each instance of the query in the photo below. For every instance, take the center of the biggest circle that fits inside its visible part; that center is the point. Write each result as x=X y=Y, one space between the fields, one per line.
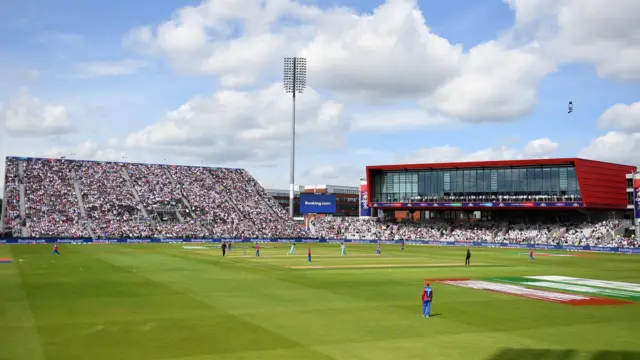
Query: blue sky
x=193 y=82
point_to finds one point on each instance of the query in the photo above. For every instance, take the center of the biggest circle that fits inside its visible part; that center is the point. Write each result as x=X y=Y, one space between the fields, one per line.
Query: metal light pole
x=295 y=80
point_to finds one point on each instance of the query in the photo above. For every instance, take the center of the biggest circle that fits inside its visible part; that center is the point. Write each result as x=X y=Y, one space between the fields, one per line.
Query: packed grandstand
x=70 y=198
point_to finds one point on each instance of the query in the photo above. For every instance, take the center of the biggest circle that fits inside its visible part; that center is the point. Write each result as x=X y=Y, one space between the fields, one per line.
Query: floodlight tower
x=295 y=80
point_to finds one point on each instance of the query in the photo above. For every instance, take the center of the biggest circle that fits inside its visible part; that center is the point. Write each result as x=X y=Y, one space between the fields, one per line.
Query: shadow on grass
x=548 y=354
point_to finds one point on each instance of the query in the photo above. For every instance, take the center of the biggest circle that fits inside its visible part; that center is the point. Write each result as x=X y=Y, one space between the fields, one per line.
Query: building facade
x=567 y=183
x=347 y=198
x=282 y=197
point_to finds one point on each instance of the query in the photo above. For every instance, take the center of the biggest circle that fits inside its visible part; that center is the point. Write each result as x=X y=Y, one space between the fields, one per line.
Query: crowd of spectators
x=109 y=202
x=51 y=204
x=251 y=200
x=593 y=234
x=68 y=198
x=499 y=198
x=65 y=198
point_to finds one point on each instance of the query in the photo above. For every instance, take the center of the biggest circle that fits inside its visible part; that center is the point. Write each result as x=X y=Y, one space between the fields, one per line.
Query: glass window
x=479 y=180
x=531 y=180
x=571 y=180
x=563 y=180
x=454 y=181
x=522 y=186
x=537 y=178
x=427 y=183
x=447 y=181
x=413 y=184
x=433 y=182
x=460 y=181
x=494 y=180
x=546 y=180
x=473 y=181
x=487 y=181
x=500 y=181
x=467 y=176
x=507 y=181
x=554 y=180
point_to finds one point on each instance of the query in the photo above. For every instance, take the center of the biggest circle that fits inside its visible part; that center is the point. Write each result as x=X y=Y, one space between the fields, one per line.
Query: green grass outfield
x=143 y=302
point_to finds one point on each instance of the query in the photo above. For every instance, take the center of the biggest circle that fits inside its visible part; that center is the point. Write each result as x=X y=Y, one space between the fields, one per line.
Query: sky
x=396 y=81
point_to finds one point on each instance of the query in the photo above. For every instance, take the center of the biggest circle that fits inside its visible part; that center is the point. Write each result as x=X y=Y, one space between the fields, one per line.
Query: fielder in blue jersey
x=427 y=296
x=56 y=249
x=378 y=249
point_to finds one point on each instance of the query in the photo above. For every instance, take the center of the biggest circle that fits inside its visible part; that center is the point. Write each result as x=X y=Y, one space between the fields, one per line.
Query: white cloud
x=332 y=175
x=538 y=147
x=448 y=153
x=204 y=39
x=602 y=33
x=623 y=143
x=110 y=68
x=615 y=147
x=397 y=120
x=26 y=115
x=495 y=83
x=86 y=150
x=621 y=117
x=385 y=56
x=232 y=126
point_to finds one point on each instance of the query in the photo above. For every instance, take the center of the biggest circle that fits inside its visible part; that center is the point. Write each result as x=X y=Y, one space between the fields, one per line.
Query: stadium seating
x=68 y=198
x=594 y=234
x=12 y=196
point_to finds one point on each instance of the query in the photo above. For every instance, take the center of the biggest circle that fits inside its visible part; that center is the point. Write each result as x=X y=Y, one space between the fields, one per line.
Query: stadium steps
x=180 y=218
x=184 y=199
x=126 y=176
x=624 y=225
x=272 y=204
x=23 y=206
x=83 y=211
x=76 y=187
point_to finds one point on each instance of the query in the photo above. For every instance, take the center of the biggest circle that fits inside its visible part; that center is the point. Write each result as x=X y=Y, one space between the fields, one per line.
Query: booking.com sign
x=317 y=204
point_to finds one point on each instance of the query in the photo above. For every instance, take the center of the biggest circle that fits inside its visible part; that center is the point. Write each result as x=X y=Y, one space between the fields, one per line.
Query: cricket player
x=378 y=249
x=427 y=296
x=224 y=249
x=229 y=247
x=467 y=260
x=343 y=250
x=309 y=254
x=56 y=249
x=257 y=250
x=402 y=248
x=292 y=251
x=531 y=255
